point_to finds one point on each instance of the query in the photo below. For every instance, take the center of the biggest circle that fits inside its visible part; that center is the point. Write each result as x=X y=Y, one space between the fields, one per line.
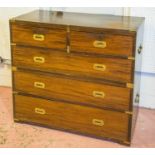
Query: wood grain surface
x=73 y=69
x=53 y=38
x=116 y=45
x=82 y=21
x=72 y=117
x=75 y=91
x=118 y=70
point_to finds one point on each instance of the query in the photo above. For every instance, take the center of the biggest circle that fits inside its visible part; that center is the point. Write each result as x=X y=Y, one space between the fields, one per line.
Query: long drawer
x=102 y=43
x=38 y=36
x=81 y=65
x=70 y=117
x=76 y=91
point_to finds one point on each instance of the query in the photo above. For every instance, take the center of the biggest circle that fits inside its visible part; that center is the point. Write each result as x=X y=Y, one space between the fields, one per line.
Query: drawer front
x=108 y=44
x=96 y=122
x=38 y=36
x=61 y=62
x=64 y=88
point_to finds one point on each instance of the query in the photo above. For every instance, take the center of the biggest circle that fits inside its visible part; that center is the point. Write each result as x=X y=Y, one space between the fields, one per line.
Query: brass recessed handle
x=99 y=44
x=98 y=94
x=99 y=67
x=39 y=85
x=97 y=122
x=40 y=111
x=39 y=59
x=38 y=37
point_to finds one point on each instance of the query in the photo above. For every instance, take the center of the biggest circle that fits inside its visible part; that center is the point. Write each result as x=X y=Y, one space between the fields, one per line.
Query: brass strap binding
x=13 y=44
x=15 y=93
x=129 y=112
x=68 y=49
x=14 y=68
x=129 y=85
x=68 y=40
x=131 y=58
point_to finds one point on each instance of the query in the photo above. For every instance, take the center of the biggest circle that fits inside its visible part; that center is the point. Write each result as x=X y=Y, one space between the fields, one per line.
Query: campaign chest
x=77 y=72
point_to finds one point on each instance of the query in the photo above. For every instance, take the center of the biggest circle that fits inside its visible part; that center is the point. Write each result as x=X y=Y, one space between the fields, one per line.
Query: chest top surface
x=98 y=21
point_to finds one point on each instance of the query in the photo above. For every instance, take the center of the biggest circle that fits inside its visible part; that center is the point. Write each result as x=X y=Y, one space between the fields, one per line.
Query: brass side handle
x=99 y=67
x=39 y=59
x=140 y=49
x=40 y=111
x=137 y=98
x=38 y=37
x=99 y=44
x=98 y=94
x=39 y=85
x=97 y=122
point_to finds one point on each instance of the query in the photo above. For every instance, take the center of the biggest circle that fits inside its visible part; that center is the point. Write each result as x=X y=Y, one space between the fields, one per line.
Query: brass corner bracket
x=68 y=29
x=13 y=44
x=130 y=85
x=15 y=119
x=13 y=20
x=126 y=142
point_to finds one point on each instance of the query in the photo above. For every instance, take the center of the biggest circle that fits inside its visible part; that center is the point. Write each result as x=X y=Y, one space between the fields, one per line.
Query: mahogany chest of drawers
x=77 y=72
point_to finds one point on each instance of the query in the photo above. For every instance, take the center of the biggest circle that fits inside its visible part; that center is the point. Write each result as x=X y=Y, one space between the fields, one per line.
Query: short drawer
x=75 y=91
x=107 y=44
x=75 y=118
x=76 y=64
x=38 y=36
